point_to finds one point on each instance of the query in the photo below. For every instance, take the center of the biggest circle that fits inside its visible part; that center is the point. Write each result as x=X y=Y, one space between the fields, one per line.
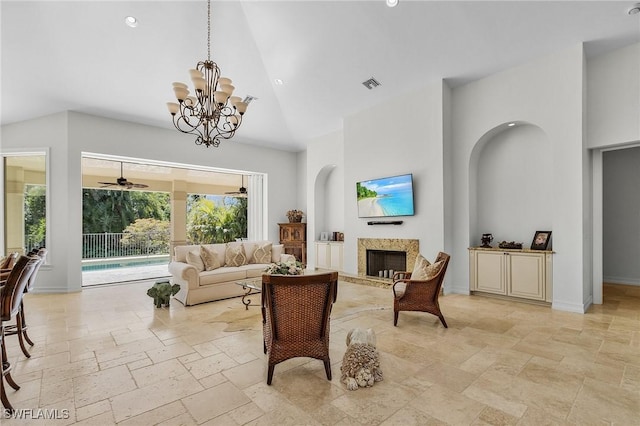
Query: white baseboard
x=621 y=280
x=571 y=307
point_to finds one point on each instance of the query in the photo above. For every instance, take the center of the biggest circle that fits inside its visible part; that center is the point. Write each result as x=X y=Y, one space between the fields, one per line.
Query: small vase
x=295 y=220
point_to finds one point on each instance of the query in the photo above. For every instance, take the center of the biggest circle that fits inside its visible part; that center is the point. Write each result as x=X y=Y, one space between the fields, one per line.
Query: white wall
x=513 y=180
x=547 y=93
x=613 y=93
x=621 y=214
x=70 y=134
x=50 y=131
x=402 y=135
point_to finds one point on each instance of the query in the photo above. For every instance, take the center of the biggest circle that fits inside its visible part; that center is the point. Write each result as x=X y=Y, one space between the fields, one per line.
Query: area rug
x=239 y=319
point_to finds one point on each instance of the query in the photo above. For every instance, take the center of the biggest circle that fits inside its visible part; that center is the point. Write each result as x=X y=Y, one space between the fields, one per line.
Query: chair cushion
x=420 y=270
x=210 y=258
x=234 y=255
x=262 y=253
x=434 y=269
x=193 y=258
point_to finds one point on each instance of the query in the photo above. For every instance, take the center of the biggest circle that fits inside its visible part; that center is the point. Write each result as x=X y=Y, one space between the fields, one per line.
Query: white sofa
x=199 y=285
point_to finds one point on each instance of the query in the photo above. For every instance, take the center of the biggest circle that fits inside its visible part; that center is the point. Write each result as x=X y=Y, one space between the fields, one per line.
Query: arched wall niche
x=321 y=204
x=510 y=184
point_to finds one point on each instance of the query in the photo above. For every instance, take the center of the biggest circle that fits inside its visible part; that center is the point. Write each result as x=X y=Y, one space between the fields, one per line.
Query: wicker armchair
x=295 y=317
x=413 y=295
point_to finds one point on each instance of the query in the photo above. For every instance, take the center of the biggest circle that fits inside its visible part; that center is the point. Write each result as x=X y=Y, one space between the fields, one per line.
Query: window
x=25 y=209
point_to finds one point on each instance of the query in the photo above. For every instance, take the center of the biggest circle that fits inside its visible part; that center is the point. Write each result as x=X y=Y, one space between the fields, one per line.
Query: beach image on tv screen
x=392 y=196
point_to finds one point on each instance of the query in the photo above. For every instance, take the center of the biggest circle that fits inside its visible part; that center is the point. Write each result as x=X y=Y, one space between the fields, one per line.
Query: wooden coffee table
x=251 y=286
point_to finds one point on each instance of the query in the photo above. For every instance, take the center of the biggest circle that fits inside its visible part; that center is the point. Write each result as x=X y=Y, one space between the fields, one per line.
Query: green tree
x=147 y=236
x=208 y=222
x=35 y=214
x=113 y=210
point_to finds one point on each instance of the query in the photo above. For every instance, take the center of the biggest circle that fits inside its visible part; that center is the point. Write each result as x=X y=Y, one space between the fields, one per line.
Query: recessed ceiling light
x=635 y=9
x=392 y=3
x=131 y=21
x=278 y=82
x=511 y=124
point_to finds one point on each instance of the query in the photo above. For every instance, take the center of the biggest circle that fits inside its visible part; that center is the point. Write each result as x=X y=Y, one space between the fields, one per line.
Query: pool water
x=129 y=263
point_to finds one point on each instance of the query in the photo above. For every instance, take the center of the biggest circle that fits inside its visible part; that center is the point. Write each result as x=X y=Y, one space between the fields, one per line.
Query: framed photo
x=324 y=236
x=541 y=240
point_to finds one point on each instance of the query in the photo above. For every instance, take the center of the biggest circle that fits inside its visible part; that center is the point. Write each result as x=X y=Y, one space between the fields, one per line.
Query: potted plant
x=295 y=215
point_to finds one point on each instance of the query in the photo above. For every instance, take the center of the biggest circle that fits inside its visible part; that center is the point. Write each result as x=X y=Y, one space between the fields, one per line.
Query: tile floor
x=107 y=356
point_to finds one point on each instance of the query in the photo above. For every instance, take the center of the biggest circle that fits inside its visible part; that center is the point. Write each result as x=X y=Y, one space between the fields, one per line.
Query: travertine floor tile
x=499 y=362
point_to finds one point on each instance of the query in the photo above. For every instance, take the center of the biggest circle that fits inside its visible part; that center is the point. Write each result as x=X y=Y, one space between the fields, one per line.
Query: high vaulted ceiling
x=80 y=55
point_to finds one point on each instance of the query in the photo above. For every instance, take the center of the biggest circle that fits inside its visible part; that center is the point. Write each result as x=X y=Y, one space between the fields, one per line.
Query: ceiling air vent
x=371 y=83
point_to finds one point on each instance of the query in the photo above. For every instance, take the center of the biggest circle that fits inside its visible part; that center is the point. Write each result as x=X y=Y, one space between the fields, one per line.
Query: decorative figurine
x=486 y=239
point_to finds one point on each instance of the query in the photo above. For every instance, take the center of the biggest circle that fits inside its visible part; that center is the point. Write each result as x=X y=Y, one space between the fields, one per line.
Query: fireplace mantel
x=411 y=247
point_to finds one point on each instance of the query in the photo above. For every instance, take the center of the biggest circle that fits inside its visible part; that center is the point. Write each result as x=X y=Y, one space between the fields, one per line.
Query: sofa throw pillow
x=262 y=253
x=209 y=258
x=234 y=255
x=419 y=272
x=194 y=259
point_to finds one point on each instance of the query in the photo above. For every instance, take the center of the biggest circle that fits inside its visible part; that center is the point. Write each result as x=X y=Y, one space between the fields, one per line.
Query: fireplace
x=392 y=248
x=382 y=263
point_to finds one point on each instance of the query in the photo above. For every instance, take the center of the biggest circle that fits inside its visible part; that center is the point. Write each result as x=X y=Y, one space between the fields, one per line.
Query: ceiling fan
x=241 y=192
x=123 y=182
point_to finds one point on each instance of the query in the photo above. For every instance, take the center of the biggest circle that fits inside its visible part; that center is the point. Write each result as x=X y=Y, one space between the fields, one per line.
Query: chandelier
x=213 y=113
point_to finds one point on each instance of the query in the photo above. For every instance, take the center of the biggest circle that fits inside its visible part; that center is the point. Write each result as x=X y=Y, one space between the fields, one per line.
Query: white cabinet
x=517 y=273
x=329 y=255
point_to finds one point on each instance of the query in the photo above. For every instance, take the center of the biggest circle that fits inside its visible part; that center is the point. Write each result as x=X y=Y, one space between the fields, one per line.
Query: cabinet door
x=490 y=272
x=336 y=256
x=526 y=275
x=322 y=255
x=285 y=234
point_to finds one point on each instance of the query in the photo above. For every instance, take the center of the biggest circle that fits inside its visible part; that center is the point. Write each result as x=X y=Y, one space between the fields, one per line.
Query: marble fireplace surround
x=411 y=247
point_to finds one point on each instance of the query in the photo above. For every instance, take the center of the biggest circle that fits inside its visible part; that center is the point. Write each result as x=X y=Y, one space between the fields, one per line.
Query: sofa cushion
x=210 y=258
x=254 y=270
x=180 y=252
x=262 y=253
x=276 y=251
x=193 y=258
x=235 y=255
x=222 y=275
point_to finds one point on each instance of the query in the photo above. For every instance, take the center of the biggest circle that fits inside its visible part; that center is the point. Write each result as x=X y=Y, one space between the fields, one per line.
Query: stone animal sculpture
x=162 y=292
x=361 y=363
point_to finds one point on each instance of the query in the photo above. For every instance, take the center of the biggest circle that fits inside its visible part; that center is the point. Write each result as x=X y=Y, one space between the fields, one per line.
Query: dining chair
x=20 y=327
x=410 y=294
x=296 y=311
x=10 y=299
x=6 y=265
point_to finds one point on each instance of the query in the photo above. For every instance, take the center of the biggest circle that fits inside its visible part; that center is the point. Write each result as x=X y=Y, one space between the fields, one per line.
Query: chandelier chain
x=208 y=30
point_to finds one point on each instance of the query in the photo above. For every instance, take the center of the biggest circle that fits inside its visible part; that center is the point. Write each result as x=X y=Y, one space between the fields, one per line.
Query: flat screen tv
x=386 y=197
